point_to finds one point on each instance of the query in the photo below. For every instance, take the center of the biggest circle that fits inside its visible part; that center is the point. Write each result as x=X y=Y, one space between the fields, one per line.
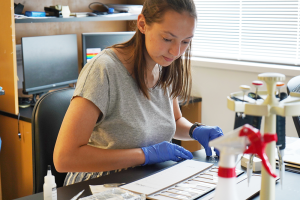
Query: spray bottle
x=245 y=139
x=49 y=186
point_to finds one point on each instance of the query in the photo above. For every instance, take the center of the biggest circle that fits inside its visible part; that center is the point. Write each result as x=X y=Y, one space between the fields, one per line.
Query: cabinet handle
x=19 y=134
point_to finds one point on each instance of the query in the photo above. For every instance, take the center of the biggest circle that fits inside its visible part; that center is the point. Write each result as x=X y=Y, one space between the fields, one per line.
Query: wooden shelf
x=111 y=17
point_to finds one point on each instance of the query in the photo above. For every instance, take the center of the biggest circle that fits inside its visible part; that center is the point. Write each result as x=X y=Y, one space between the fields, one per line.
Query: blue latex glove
x=204 y=134
x=165 y=151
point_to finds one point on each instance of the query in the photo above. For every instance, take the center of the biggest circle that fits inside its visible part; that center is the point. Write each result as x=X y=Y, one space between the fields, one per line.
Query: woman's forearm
x=182 y=129
x=91 y=159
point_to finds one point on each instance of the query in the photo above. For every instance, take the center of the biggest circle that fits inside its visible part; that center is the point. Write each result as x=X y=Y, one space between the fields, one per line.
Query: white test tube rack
x=268 y=107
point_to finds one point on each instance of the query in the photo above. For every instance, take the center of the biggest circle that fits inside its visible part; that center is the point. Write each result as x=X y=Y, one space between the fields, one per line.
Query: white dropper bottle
x=49 y=186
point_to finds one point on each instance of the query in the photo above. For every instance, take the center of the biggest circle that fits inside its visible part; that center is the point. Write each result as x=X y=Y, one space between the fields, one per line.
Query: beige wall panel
x=8 y=71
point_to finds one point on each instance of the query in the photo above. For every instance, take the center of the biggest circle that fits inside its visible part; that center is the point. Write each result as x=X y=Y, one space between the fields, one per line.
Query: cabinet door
x=26 y=182
x=16 y=158
x=192 y=112
x=8 y=69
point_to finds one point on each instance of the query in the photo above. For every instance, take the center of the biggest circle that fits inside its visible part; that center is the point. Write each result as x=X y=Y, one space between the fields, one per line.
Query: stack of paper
x=291 y=156
x=187 y=180
x=168 y=177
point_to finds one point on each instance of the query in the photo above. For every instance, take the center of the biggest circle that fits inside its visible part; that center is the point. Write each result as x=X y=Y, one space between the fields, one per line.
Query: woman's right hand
x=165 y=151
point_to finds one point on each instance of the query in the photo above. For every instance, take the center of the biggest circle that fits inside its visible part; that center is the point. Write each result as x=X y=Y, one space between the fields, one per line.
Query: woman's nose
x=175 y=50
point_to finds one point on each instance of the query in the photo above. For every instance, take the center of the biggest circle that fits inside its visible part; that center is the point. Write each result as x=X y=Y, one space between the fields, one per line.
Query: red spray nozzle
x=258 y=144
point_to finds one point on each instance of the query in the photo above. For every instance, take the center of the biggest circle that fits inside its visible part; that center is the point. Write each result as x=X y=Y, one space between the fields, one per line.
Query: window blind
x=253 y=30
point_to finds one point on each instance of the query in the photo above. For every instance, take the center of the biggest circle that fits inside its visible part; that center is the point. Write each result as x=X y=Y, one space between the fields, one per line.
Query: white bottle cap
x=49 y=178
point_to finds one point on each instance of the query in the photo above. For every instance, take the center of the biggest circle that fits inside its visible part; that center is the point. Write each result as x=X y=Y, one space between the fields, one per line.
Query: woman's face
x=166 y=41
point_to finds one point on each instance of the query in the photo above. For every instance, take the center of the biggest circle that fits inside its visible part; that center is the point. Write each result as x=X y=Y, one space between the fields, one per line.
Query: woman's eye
x=185 y=42
x=167 y=40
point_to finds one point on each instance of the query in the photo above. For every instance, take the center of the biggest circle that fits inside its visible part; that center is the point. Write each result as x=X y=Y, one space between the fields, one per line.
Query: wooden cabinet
x=192 y=112
x=16 y=158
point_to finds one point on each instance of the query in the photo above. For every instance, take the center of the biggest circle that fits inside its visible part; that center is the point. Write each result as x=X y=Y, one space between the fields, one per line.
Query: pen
x=77 y=195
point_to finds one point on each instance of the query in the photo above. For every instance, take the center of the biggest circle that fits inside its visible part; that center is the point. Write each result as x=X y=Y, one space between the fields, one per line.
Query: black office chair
x=294 y=86
x=47 y=116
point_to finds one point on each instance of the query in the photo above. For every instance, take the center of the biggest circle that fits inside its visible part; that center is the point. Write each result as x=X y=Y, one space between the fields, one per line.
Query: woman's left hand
x=204 y=134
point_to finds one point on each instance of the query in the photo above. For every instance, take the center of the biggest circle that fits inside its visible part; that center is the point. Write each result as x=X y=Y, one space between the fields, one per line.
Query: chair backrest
x=294 y=86
x=47 y=116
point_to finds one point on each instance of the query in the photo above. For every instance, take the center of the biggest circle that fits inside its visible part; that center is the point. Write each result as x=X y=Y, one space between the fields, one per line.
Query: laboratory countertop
x=290 y=190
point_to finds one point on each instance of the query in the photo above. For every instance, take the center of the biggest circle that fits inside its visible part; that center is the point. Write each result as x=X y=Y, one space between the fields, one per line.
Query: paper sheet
x=291 y=152
x=168 y=177
x=98 y=188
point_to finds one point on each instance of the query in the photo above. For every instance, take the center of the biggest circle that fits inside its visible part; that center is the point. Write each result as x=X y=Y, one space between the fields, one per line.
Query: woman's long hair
x=176 y=76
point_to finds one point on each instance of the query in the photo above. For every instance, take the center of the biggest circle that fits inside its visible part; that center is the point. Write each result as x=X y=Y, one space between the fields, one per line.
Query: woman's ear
x=141 y=23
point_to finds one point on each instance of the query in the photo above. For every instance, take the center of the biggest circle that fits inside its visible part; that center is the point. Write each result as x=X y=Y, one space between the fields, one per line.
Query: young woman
x=125 y=110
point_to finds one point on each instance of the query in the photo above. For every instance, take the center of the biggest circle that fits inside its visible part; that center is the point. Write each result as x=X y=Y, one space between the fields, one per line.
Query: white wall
x=214 y=84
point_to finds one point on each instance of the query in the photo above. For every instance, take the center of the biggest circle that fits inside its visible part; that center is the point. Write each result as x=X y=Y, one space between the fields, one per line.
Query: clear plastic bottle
x=49 y=186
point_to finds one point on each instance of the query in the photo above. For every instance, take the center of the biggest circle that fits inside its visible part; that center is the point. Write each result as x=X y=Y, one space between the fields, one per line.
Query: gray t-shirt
x=129 y=119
